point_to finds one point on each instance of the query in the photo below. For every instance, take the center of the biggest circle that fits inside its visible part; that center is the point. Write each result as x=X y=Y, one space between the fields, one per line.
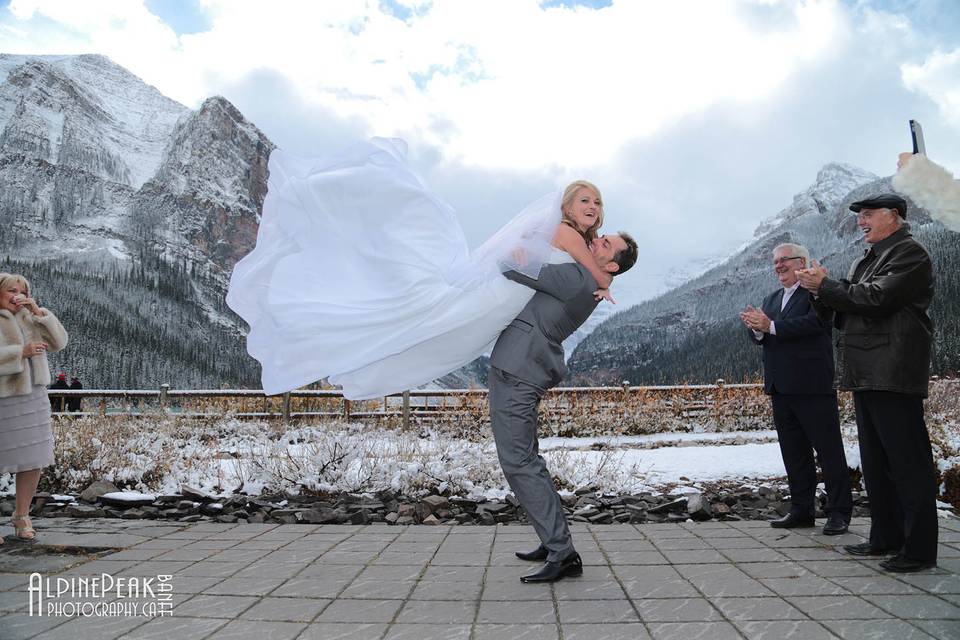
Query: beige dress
x=26 y=435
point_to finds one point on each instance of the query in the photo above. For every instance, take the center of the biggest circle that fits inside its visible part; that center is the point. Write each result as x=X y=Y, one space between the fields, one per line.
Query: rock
x=405 y=520
x=407 y=510
x=431 y=520
x=187 y=505
x=360 y=517
x=83 y=511
x=127 y=499
x=391 y=517
x=486 y=518
x=196 y=517
x=569 y=499
x=212 y=509
x=587 y=511
x=583 y=501
x=322 y=515
x=512 y=501
x=257 y=518
x=493 y=507
x=168 y=499
x=721 y=509
x=604 y=517
x=97 y=489
x=668 y=507
x=435 y=503
x=194 y=493
x=699 y=507
x=133 y=514
x=590 y=488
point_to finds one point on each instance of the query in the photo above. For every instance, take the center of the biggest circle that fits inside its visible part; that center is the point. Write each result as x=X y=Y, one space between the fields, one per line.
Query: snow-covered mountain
x=693 y=333
x=104 y=180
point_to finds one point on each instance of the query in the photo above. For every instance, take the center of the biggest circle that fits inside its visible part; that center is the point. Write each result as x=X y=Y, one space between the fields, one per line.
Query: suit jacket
x=531 y=347
x=799 y=359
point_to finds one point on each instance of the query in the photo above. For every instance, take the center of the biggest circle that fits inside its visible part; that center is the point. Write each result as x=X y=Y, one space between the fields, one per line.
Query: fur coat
x=15 y=380
x=933 y=188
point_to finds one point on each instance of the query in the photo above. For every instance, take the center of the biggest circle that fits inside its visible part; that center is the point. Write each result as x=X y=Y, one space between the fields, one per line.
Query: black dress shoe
x=867 y=549
x=899 y=564
x=835 y=526
x=571 y=566
x=792 y=520
x=537 y=555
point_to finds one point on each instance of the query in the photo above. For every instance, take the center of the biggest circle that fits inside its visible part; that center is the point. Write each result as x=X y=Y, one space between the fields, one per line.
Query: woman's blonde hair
x=568 y=194
x=7 y=278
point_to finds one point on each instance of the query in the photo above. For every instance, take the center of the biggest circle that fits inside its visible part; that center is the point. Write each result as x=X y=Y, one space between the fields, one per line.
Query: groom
x=526 y=361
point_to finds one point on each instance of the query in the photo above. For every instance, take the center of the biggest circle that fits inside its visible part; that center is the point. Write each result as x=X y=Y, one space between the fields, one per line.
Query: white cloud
x=939 y=79
x=517 y=85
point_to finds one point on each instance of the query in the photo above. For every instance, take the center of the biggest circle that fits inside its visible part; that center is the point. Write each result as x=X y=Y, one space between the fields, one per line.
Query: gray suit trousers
x=513 y=416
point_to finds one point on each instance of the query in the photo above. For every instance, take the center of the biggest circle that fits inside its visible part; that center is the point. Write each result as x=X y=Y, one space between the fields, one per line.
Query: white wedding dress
x=362 y=276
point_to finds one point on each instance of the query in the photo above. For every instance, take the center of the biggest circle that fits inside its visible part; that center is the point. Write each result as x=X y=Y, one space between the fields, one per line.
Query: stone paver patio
x=713 y=581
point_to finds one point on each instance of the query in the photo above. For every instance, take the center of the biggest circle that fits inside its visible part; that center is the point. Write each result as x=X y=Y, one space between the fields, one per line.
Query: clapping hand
x=812 y=277
x=755 y=319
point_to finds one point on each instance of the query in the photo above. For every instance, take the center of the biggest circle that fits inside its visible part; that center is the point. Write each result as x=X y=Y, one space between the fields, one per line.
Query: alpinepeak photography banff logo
x=102 y=596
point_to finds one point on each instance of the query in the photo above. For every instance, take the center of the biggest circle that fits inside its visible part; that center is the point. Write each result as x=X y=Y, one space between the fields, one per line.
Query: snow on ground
x=157 y=455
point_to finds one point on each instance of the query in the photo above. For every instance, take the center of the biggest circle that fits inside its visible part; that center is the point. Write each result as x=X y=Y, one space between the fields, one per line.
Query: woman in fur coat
x=930 y=186
x=27 y=333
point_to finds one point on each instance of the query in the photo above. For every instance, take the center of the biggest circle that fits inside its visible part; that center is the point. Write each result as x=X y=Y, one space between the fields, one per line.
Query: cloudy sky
x=697 y=118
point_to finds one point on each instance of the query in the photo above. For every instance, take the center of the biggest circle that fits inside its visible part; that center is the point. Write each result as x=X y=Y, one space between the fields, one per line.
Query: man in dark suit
x=526 y=361
x=798 y=376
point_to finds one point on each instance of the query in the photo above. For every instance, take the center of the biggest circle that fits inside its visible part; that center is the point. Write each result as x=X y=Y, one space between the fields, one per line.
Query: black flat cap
x=883 y=201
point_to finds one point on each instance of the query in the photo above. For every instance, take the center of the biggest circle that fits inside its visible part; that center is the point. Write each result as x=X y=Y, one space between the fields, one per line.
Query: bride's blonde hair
x=568 y=195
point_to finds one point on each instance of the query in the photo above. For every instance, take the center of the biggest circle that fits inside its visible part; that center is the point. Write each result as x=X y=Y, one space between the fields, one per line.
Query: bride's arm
x=567 y=239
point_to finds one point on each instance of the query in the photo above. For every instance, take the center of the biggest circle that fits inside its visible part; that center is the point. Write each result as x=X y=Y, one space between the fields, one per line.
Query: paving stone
x=259 y=630
x=875 y=630
x=934 y=583
x=211 y=606
x=784 y=630
x=99 y=628
x=803 y=586
x=447 y=591
x=310 y=587
x=516 y=591
x=916 y=607
x=694 y=631
x=757 y=609
x=438 y=612
x=245 y=586
x=622 y=631
x=428 y=632
x=682 y=556
x=378 y=590
x=837 y=608
x=360 y=611
x=532 y=612
x=787 y=569
x=456 y=574
x=516 y=632
x=342 y=631
x=285 y=609
x=596 y=611
x=832 y=569
x=20 y=626
x=940 y=629
x=636 y=557
x=263 y=569
x=876 y=585
x=173 y=627
x=676 y=610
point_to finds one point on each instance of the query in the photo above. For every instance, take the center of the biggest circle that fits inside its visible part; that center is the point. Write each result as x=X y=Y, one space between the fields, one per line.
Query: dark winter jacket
x=886 y=334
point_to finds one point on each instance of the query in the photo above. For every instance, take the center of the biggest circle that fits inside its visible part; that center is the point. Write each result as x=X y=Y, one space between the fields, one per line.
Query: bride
x=363 y=276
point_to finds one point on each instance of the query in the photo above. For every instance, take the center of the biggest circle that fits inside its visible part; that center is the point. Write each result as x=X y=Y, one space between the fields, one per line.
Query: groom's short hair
x=628 y=257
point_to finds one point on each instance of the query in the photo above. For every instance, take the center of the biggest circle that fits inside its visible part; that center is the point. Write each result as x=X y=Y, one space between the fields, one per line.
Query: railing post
x=286 y=408
x=346 y=410
x=103 y=405
x=164 y=389
x=406 y=409
x=718 y=401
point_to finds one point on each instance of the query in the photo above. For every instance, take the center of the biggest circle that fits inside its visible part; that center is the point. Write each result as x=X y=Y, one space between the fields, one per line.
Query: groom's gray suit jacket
x=531 y=347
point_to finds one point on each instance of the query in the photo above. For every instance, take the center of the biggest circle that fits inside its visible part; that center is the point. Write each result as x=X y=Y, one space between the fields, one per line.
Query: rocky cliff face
x=103 y=177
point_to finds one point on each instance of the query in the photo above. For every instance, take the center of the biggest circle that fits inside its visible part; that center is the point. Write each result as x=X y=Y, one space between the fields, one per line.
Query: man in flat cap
x=883 y=357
